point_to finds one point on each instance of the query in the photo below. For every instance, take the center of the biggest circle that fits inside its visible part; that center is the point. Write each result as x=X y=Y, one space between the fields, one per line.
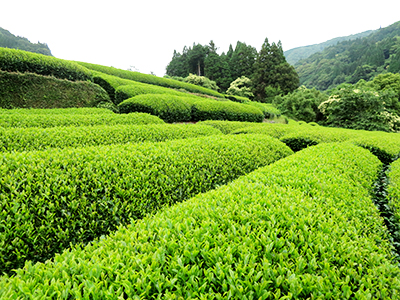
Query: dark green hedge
x=29 y=90
x=52 y=198
x=169 y=108
x=13 y=60
x=225 y=110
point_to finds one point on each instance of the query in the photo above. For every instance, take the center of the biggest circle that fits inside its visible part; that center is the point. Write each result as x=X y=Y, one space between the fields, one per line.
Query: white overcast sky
x=145 y=33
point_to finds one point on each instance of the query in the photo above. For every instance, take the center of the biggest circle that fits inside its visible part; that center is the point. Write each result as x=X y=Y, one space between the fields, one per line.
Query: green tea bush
x=304 y=227
x=151 y=79
x=27 y=139
x=393 y=189
x=57 y=111
x=227 y=126
x=52 y=198
x=28 y=90
x=13 y=60
x=53 y=120
x=268 y=109
x=169 y=108
x=386 y=146
x=225 y=110
x=110 y=83
x=128 y=91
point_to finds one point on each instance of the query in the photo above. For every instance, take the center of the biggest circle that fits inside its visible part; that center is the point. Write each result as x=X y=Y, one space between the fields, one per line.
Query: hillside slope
x=296 y=54
x=8 y=40
x=350 y=61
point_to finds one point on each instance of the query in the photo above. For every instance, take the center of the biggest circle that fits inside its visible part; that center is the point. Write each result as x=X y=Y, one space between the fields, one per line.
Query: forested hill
x=296 y=54
x=8 y=40
x=350 y=61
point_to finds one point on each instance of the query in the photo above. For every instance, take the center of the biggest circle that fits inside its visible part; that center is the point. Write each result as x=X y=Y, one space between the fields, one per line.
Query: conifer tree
x=272 y=74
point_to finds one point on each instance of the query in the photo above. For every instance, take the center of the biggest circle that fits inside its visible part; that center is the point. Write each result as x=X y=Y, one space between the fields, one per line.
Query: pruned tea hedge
x=304 y=227
x=52 y=198
x=27 y=139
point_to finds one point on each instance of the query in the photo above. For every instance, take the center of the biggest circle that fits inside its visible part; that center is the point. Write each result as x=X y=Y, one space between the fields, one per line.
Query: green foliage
x=12 y=60
x=272 y=74
x=28 y=139
x=350 y=61
x=52 y=120
x=241 y=87
x=227 y=126
x=8 y=40
x=360 y=107
x=169 y=108
x=225 y=110
x=268 y=109
x=304 y=227
x=151 y=79
x=394 y=190
x=124 y=92
x=302 y=104
x=28 y=90
x=56 y=197
x=202 y=81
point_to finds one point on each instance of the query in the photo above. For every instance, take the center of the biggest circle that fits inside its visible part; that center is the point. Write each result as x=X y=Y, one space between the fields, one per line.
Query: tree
x=241 y=87
x=272 y=74
x=242 y=60
x=212 y=63
x=196 y=58
x=302 y=104
x=361 y=107
x=178 y=66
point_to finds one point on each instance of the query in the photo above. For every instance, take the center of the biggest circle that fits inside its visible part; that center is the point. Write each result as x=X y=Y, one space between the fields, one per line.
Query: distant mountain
x=296 y=54
x=8 y=40
x=352 y=60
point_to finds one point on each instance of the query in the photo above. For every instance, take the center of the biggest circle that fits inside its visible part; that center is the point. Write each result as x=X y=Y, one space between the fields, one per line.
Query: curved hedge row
x=268 y=109
x=28 y=90
x=303 y=228
x=58 y=111
x=27 y=139
x=136 y=88
x=53 y=120
x=227 y=127
x=393 y=190
x=225 y=110
x=151 y=79
x=56 y=197
x=13 y=60
x=169 y=108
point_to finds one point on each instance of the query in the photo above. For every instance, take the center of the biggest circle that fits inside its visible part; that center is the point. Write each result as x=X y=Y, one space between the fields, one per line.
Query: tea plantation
x=102 y=205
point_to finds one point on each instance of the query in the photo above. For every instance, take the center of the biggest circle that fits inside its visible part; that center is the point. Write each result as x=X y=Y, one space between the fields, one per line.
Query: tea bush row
x=28 y=90
x=151 y=79
x=27 y=139
x=57 y=111
x=172 y=108
x=52 y=198
x=393 y=189
x=13 y=60
x=386 y=146
x=304 y=227
x=52 y=120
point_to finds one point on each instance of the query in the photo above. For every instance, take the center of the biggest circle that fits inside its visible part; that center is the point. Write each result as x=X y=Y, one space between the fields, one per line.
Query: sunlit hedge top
x=13 y=60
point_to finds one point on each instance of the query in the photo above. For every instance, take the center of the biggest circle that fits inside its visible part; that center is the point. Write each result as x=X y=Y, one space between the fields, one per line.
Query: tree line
x=8 y=40
x=268 y=71
x=350 y=61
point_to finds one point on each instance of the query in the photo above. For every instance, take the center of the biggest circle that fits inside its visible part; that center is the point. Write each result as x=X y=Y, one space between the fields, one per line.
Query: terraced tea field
x=97 y=205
